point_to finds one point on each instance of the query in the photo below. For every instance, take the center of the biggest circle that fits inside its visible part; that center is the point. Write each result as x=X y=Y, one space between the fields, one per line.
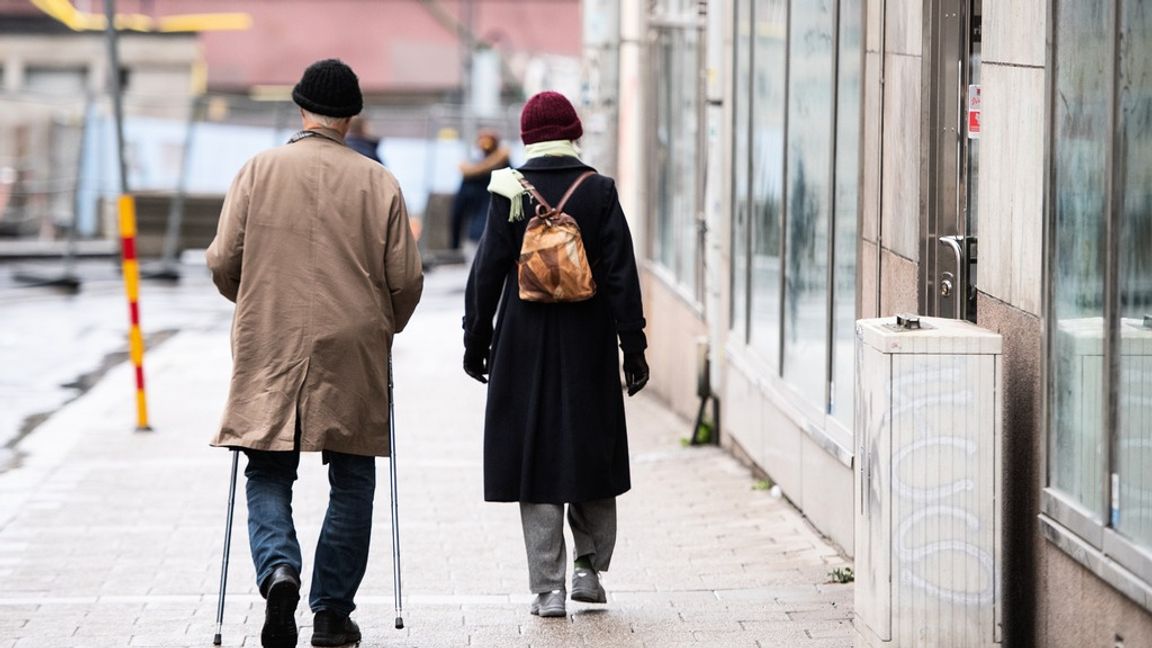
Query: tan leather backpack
x=553 y=266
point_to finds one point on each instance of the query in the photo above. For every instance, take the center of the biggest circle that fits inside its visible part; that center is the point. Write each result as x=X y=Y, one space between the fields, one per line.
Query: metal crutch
x=396 y=589
x=216 y=641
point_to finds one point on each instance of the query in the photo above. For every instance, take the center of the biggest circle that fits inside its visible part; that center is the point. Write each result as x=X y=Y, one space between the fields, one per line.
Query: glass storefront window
x=1080 y=196
x=769 y=55
x=1100 y=269
x=849 y=71
x=811 y=76
x=797 y=92
x=1134 y=389
x=677 y=169
x=741 y=200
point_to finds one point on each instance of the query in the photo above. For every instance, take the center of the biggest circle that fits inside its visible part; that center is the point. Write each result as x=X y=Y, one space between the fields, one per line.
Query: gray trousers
x=593 y=527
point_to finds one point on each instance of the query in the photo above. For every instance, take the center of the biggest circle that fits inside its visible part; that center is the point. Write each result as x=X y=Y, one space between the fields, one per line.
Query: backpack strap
x=567 y=194
x=532 y=190
x=572 y=189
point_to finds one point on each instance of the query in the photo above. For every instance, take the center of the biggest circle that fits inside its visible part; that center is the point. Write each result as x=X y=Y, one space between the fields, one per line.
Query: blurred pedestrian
x=470 y=209
x=314 y=247
x=554 y=432
x=360 y=139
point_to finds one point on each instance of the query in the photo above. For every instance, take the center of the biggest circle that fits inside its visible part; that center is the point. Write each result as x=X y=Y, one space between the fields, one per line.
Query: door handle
x=953 y=242
x=959 y=285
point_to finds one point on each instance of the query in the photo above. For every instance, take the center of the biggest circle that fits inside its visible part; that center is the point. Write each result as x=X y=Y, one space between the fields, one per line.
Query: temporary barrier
x=928 y=410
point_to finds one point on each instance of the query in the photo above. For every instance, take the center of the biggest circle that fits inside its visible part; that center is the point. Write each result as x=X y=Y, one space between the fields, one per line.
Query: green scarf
x=506 y=182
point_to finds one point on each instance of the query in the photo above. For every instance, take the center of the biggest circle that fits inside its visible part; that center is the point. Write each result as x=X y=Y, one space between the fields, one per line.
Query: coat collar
x=319 y=131
x=553 y=163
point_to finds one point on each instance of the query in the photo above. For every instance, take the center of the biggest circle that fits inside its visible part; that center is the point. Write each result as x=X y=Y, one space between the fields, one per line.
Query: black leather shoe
x=282 y=589
x=334 y=629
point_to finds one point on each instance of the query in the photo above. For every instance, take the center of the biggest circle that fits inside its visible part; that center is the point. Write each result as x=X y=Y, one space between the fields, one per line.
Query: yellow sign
x=76 y=20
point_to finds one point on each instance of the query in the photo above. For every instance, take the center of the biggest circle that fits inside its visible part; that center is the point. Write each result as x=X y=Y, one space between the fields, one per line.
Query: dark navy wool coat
x=554 y=430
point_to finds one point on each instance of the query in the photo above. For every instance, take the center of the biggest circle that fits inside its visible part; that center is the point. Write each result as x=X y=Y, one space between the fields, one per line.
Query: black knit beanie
x=329 y=88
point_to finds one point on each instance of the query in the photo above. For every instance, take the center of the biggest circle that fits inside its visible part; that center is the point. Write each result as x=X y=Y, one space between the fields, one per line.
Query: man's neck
x=311 y=125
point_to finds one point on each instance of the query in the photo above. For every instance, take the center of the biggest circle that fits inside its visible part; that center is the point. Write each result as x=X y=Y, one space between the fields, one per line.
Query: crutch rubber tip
x=399 y=623
x=216 y=641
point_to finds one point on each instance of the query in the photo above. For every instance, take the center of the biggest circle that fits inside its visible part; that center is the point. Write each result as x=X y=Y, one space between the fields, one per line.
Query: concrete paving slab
x=109 y=537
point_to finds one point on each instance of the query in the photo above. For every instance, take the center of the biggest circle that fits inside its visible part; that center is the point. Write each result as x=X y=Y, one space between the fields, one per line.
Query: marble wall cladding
x=898 y=284
x=1064 y=594
x=828 y=494
x=904 y=22
x=872 y=25
x=868 y=281
x=900 y=176
x=1082 y=610
x=1012 y=185
x=870 y=189
x=1014 y=31
x=768 y=437
x=1023 y=446
x=673 y=329
x=741 y=414
x=783 y=441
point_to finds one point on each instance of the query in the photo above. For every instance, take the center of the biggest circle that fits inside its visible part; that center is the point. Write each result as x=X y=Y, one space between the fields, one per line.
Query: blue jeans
x=341 y=552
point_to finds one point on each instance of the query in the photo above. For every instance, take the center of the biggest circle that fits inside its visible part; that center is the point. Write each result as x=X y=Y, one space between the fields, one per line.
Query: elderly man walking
x=315 y=248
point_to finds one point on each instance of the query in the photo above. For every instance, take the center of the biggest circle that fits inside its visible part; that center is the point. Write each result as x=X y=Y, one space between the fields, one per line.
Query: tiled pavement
x=110 y=537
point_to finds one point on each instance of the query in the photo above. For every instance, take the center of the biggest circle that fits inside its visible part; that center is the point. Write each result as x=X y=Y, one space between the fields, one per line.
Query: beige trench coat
x=314 y=247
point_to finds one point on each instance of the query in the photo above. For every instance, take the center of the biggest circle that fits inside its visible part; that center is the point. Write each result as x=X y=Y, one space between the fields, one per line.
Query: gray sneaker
x=549 y=604
x=586 y=586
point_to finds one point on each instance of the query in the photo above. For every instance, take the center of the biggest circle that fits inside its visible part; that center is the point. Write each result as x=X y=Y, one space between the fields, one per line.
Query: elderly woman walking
x=554 y=432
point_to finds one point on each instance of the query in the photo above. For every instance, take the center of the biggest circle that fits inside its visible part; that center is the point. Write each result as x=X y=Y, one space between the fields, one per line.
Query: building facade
x=53 y=82
x=198 y=103
x=791 y=167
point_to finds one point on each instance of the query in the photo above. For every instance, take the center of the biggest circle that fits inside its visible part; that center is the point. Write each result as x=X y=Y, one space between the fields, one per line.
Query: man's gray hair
x=325 y=120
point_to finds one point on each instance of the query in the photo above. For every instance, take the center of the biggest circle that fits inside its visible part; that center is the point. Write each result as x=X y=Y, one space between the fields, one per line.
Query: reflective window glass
x=1079 y=189
x=807 y=210
x=1134 y=389
x=769 y=51
x=677 y=180
x=741 y=199
x=848 y=97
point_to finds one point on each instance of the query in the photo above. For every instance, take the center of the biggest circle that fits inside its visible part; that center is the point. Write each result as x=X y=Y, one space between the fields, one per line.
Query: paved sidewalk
x=112 y=538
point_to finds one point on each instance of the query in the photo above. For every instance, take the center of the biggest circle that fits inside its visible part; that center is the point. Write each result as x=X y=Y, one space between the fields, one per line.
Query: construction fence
x=59 y=174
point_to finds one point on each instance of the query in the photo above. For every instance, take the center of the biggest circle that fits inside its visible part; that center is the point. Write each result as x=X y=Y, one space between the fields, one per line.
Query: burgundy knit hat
x=549 y=116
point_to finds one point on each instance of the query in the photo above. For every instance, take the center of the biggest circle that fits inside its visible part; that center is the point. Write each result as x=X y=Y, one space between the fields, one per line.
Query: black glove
x=635 y=372
x=476 y=363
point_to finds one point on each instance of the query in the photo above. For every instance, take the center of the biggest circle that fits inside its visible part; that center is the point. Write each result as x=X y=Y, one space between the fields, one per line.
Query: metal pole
x=216 y=640
x=115 y=89
x=169 y=267
x=77 y=198
x=395 y=509
x=127 y=212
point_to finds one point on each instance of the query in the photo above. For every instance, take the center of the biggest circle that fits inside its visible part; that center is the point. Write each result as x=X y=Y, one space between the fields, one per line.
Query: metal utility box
x=927 y=469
